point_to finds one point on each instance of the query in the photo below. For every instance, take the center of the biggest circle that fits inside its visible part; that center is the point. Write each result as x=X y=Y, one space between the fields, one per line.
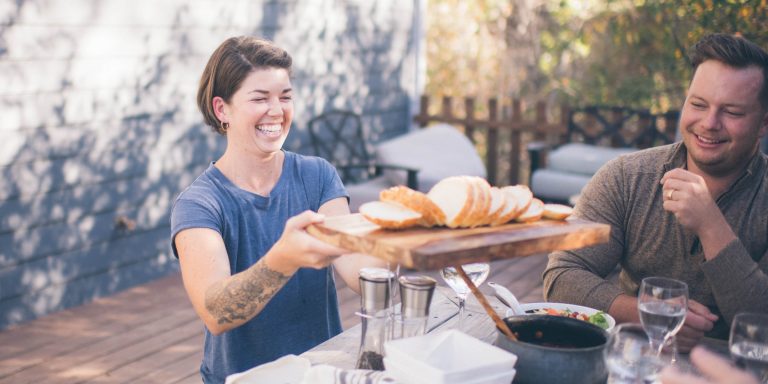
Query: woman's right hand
x=298 y=249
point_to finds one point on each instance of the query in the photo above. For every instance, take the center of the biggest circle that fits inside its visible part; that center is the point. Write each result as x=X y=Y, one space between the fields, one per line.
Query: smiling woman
x=262 y=286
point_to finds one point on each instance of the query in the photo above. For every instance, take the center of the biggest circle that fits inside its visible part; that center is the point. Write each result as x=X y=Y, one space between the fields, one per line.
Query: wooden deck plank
x=151 y=334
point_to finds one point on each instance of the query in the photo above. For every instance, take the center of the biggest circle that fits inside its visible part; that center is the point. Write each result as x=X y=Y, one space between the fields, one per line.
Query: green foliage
x=617 y=52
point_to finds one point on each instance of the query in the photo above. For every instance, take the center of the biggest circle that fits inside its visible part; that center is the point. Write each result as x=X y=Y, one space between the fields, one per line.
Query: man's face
x=722 y=118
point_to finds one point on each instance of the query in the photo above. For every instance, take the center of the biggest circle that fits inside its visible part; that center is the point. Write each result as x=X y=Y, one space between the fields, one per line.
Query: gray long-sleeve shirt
x=646 y=240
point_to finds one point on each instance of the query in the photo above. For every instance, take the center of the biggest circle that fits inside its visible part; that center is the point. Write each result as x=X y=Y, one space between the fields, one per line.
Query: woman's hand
x=297 y=249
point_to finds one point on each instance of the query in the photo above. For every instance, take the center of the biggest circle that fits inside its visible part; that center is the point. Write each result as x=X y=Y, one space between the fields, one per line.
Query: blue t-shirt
x=303 y=313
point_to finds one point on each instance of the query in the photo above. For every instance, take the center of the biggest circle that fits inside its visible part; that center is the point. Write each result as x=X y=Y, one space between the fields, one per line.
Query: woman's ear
x=220 y=108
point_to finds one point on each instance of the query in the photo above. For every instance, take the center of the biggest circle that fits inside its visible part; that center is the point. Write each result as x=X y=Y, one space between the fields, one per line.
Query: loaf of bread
x=455 y=196
x=459 y=202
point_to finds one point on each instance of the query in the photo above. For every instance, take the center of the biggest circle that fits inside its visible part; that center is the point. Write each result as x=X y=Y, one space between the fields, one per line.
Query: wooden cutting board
x=435 y=248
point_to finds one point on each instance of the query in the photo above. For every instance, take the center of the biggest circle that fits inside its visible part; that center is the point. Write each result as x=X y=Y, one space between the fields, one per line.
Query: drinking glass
x=477 y=273
x=631 y=358
x=748 y=343
x=662 y=303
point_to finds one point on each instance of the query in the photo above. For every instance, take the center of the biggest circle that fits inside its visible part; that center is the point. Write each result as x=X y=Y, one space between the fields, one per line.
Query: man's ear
x=220 y=108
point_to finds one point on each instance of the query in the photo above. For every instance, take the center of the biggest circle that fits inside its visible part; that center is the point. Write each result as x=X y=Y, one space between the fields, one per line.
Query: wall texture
x=99 y=130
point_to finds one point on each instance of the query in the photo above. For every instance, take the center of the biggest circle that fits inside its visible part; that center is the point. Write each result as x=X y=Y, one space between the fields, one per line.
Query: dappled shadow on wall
x=84 y=205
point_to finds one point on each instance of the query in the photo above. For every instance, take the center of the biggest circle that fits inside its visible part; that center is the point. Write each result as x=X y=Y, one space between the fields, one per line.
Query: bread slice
x=454 y=196
x=518 y=198
x=498 y=205
x=389 y=215
x=483 y=204
x=431 y=214
x=533 y=213
x=481 y=201
x=557 y=211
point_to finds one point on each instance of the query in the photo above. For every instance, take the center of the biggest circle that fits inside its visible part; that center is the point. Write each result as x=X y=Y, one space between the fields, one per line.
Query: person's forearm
x=237 y=299
x=738 y=283
x=715 y=235
x=624 y=309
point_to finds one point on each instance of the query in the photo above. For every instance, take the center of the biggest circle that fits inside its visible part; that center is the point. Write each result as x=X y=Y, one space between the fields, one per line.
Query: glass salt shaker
x=416 y=296
x=375 y=323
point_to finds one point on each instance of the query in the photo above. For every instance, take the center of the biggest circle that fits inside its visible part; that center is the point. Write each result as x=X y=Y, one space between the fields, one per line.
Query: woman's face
x=260 y=112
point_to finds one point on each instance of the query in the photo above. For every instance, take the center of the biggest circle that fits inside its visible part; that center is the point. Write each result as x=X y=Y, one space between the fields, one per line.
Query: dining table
x=341 y=351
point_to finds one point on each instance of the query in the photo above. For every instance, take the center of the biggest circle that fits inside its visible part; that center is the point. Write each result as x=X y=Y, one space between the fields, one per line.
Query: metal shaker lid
x=416 y=295
x=374 y=289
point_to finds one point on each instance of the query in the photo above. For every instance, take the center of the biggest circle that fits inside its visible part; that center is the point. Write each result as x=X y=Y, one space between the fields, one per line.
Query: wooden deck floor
x=150 y=334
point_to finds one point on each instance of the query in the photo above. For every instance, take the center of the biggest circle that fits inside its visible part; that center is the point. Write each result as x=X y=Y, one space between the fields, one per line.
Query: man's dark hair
x=734 y=51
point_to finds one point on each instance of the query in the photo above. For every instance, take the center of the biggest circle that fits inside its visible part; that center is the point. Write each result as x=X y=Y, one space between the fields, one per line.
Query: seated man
x=696 y=210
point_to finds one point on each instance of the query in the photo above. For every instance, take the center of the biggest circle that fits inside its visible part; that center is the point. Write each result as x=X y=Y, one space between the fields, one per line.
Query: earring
x=224 y=126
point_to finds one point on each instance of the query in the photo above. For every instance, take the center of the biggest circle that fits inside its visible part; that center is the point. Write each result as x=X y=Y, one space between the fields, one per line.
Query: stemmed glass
x=630 y=358
x=477 y=273
x=662 y=303
x=748 y=343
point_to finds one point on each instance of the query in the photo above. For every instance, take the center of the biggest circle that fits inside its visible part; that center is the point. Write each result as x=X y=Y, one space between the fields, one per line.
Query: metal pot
x=555 y=349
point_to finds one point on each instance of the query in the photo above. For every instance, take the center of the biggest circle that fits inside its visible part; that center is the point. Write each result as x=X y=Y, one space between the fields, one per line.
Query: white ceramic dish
x=448 y=357
x=529 y=308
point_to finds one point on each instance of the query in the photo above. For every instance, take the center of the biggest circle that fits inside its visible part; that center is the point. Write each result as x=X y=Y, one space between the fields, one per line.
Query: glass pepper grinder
x=375 y=323
x=416 y=296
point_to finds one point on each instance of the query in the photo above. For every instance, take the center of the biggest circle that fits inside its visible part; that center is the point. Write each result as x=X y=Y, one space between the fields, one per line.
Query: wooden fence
x=503 y=134
x=502 y=137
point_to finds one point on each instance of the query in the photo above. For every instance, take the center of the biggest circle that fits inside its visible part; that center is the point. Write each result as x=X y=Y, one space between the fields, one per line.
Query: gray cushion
x=582 y=158
x=437 y=152
x=365 y=191
x=551 y=184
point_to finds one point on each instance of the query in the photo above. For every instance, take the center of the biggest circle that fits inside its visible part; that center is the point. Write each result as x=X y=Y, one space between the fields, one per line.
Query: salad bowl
x=590 y=315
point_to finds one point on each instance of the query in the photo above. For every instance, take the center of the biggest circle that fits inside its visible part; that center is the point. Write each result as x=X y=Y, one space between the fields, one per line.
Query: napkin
x=292 y=369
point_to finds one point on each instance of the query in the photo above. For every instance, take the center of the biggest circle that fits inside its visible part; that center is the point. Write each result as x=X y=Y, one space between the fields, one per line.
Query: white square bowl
x=449 y=357
x=407 y=375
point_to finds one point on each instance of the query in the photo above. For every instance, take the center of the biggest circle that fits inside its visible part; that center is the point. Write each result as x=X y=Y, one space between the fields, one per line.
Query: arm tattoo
x=242 y=296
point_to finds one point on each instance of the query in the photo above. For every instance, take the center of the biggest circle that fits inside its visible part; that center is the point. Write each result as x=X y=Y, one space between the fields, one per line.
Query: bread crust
x=390 y=215
x=431 y=214
x=533 y=213
x=557 y=211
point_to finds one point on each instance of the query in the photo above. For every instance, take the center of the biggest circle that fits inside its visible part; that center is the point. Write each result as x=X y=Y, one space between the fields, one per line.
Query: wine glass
x=631 y=358
x=662 y=303
x=748 y=343
x=477 y=273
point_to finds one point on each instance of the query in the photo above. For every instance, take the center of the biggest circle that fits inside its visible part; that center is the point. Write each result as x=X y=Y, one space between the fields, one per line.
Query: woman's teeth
x=269 y=128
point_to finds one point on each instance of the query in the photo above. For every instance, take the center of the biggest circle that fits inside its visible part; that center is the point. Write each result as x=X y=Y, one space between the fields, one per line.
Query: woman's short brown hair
x=229 y=65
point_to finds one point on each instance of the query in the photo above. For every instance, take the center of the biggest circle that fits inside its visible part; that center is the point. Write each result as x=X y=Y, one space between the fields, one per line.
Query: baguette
x=389 y=215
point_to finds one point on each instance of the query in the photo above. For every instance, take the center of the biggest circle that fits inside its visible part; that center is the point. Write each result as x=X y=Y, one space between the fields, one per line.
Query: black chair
x=338 y=136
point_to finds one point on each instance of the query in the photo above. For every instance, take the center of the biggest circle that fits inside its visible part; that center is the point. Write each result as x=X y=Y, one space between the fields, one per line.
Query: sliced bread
x=431 y=214
x=389 y=215
x=557 y=211
x=455 y=197
x=533 y=213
